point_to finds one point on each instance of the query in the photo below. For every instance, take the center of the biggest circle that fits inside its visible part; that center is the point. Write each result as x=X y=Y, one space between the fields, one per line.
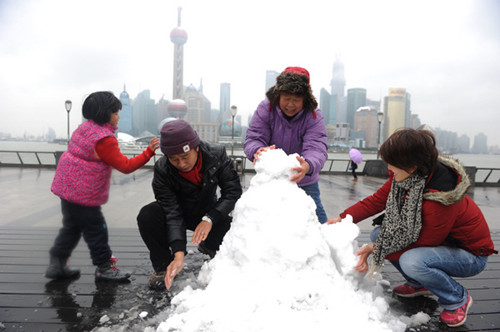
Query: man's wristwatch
x=207 y=219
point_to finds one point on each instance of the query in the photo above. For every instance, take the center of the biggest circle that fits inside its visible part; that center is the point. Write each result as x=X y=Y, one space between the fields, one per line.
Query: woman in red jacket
x=431 y=230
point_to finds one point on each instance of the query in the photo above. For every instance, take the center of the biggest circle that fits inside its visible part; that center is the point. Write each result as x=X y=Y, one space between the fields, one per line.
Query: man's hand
x=334 y=220
x=260 y=150
x=300 y=171
x=201 y=232
x=174 y=268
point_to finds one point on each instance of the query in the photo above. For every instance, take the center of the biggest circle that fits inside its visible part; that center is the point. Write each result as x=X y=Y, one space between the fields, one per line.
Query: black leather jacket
x=185 y=203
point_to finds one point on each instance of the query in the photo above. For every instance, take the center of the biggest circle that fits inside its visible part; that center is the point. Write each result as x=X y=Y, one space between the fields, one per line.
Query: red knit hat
x=177 y=137
x=298 y=70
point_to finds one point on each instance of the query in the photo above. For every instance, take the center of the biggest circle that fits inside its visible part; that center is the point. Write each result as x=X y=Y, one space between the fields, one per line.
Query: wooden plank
x=25 y=293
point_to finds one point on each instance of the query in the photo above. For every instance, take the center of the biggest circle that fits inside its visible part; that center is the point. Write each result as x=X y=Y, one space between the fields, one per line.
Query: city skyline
x=451 y=70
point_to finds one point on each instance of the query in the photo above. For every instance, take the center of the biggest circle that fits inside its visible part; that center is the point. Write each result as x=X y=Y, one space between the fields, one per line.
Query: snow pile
x=278 y=269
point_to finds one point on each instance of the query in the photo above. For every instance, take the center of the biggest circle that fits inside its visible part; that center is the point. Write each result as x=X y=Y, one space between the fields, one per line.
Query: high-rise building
x=198 y=106
x=338 y=102
x=446 y=141
x=480 y=144
x=271 y=78
x=225 y=101
x=162 y=108
x=325 y=105
x=337 y=83
x=396 y=110
x=178 y=36
x=144 y=117
x=125 y=124
x=356 y=98
x=464 y=144
x=342 y=133
x=365 y=120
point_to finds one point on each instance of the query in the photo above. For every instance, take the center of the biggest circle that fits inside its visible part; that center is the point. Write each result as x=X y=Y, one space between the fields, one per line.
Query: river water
x=477 y=160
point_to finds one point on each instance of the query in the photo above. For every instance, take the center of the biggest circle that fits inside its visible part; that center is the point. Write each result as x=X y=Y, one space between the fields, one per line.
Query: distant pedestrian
x=353 y=167
x=82 y=181
x=431 y=231
x=289 y=119
x=356 y=159
x=196 y=188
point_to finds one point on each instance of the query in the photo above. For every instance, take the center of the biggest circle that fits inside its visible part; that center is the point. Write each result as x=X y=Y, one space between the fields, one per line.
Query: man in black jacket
x=185 y=186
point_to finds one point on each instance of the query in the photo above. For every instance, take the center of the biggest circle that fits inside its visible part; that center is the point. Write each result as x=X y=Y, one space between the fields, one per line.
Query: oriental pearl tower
x=177 y=108
x=178 y=36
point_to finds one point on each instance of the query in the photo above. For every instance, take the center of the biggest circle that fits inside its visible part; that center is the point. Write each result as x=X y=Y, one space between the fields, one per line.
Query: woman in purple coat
x=289 y=119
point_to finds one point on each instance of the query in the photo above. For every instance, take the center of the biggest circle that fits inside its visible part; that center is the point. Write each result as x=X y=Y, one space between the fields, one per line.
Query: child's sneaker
x=410 y=291
x=157 y=281
x=109 y=272
x=458 y=316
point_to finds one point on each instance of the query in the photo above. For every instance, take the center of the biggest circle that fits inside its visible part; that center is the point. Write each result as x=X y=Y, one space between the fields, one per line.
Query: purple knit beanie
x=177 y=137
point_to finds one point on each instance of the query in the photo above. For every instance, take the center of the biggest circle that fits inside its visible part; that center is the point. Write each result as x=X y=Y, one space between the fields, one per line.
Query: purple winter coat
x=304 y=134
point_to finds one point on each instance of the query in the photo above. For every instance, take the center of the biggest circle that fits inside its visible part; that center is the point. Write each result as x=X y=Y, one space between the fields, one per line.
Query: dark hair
x=98 y=106
x=407 y=148
x=292 y=83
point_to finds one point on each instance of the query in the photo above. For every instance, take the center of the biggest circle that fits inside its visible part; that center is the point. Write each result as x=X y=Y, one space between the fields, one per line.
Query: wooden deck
x=29 y=302
x=30 y=217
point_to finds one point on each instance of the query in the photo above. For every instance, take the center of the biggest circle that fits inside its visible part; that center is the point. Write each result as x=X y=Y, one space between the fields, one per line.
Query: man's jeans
x=433 y=267
x=313 y=191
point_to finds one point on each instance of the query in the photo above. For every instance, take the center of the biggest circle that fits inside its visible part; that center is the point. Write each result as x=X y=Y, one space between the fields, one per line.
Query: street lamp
x=67 y=105
x=380 y=116
x=234 y=110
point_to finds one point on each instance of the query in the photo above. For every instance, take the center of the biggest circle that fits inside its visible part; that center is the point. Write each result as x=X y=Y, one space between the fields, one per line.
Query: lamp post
x=67 y=105
x=234 y=110
x=380 y=116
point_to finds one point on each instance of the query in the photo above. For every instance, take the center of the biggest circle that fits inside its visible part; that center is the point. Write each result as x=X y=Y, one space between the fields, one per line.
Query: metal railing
x=480 y=176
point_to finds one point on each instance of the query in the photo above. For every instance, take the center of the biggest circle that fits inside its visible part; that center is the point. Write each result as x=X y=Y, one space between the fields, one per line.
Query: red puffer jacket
x=449 y=216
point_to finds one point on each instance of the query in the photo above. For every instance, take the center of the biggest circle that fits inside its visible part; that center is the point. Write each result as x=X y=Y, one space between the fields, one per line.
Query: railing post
x=37 y=158
x=20 y=159
x=471 y=173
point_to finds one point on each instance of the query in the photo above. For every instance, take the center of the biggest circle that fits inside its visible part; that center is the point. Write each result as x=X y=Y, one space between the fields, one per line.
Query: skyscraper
x=365 y=120
x=338 y=102
x=125 y=125
x=337 y=83
x=145 y=117
x=195 y=102
x=356 y=98
x=396 y=110
x=225 y=101
x=480 y=144
x=324 y=105
x=178 y=36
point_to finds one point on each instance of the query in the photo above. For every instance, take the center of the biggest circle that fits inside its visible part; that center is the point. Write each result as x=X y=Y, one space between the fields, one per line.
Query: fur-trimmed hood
x=448 y=170
x=295 y=83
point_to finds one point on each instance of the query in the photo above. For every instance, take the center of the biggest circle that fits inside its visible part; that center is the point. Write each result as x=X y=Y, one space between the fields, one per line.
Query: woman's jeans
x=313 y=191
x=433 y=267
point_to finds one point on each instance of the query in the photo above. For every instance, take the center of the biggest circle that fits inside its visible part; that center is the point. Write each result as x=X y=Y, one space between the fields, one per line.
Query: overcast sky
x=445 y=53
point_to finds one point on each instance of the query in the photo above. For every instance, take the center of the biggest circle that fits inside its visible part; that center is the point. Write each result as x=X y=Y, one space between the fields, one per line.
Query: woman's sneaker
x=410 y=291
x=157 y=281
x=457 y=317
x=109 y=272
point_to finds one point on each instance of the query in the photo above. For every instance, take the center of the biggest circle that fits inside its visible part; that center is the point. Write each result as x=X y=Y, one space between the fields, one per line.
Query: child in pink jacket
x=82 y=182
